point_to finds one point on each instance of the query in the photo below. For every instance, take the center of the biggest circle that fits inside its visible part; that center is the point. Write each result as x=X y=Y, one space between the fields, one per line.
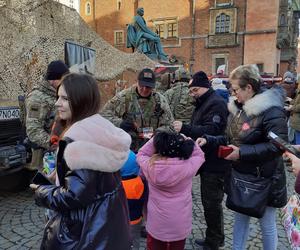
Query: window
x=119 y=37
x=119 y=3
x=172 y=29
x=160 y=30
x=221 y=3
x=220 y=64
x=260 y=67
x=88 y=8
x=167 y=27
x=222 y=23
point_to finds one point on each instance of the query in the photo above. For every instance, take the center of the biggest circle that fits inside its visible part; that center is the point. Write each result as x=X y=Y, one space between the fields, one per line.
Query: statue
x=140 y=37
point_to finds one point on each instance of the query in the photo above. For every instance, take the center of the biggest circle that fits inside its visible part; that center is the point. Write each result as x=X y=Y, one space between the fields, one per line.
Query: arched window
x=222 y=23
x=88 y=8
x=119 y=3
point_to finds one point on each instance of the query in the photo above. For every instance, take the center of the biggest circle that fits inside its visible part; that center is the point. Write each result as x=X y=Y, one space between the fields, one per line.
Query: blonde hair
x=247 y=74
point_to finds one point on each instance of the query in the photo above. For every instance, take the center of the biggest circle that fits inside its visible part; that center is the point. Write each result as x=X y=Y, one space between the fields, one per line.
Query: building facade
x=75 y=4
x=205 y=34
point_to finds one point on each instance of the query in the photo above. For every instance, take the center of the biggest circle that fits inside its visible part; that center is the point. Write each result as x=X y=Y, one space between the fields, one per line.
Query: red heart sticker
x=245 y=126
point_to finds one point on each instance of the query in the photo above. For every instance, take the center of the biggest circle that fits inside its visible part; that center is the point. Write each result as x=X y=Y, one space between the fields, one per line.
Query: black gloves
x=127 y=125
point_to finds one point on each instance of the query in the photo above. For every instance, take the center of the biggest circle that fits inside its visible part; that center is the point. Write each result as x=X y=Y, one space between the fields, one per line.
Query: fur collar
x=273 y=97
x=98 y=145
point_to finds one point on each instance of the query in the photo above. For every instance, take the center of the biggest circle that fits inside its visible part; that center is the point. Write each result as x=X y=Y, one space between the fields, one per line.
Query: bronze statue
x=140 y=37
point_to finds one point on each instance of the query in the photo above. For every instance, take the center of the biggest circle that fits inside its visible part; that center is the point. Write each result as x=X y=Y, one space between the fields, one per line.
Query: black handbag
x=248 y=194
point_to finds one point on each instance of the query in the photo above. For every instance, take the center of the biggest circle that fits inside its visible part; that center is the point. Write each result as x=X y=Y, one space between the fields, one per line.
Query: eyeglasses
x=235 y=91
x=193 y=90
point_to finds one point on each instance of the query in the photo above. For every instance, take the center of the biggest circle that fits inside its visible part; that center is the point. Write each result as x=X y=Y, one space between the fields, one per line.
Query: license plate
x=9 y=113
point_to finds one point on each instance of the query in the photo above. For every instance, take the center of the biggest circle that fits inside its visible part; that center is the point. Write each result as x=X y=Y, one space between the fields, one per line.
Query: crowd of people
x=131 y=163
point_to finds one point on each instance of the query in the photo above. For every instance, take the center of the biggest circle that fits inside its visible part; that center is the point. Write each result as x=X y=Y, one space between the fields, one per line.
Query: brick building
x=206 y=34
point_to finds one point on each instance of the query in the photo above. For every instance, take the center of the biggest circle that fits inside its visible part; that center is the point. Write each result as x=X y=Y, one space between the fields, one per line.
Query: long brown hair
x=83 y=95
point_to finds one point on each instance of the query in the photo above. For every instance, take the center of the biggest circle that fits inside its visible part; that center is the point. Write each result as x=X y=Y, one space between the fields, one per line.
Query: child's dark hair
x=173 y=145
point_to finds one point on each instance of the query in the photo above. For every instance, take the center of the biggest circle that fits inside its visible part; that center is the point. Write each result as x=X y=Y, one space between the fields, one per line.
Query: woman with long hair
x=88 y=198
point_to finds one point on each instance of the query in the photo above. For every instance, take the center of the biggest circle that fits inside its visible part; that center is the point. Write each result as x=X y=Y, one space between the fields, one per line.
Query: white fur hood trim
x=273 y=97
x=98 y=145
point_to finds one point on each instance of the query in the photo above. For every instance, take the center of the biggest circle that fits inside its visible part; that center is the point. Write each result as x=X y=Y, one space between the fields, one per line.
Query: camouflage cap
x=180 y=74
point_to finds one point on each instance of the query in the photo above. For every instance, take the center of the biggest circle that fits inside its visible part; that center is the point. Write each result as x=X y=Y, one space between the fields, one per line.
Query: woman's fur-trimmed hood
x=273 y=97
x=98 y=145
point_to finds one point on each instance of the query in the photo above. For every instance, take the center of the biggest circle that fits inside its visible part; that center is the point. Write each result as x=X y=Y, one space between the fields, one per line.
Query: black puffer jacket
x=90 y=204
x=248 y=128
x=209 y=117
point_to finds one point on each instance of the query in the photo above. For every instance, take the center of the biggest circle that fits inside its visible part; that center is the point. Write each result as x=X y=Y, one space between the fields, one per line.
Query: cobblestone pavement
x=21 y=222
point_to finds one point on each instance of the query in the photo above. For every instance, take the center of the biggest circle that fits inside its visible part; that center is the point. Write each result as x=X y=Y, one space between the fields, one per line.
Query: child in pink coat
x=169 y=161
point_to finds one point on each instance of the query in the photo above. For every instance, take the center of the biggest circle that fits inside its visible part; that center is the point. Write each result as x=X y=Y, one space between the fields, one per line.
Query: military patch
x=216 y=119
x=34 y=111
x=245 y=126
x=148 y=75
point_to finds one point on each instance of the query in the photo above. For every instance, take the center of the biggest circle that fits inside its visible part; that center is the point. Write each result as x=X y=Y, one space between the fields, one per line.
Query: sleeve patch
x=216 y=119
x=34 y=111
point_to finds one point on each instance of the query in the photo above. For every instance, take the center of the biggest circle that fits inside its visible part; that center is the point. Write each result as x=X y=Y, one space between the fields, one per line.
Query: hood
x=98 y=145
x=273 y=97
x=170 y=171
x=219 y=86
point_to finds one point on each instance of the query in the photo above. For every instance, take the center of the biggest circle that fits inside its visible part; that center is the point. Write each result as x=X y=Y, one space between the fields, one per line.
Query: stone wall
x=33 y=34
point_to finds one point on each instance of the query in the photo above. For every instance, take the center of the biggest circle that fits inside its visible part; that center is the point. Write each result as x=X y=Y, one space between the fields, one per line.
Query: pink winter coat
x=169 y=216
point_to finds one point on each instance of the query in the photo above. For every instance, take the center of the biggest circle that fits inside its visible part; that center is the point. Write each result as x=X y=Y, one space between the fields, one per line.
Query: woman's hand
x=288 y=99
x=296 y=147
x=52 y=176
x=34 y=186
x=295 y=162
x=288 y=107
x=201 y=141
x=235 y=154
x=185 y=137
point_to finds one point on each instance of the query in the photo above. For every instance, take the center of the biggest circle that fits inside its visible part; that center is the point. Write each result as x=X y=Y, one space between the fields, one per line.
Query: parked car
x=14 y=154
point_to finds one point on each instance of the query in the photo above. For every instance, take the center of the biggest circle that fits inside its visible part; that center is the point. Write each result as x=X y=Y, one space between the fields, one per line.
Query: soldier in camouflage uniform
x=40 y=112
x=163 y=84
x=139 y=110
x=180 y=102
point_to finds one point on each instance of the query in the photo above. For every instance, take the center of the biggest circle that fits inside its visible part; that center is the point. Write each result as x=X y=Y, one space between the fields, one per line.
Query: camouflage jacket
x=180 y=102
x=153 y=112
x=40 y=113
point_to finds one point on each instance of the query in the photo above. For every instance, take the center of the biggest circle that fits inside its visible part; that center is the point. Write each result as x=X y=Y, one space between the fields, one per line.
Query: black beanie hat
x=55 y=70
x=200 y=80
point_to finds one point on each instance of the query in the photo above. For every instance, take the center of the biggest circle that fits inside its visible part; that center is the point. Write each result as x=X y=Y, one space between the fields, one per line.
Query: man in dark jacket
x=209 y=117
